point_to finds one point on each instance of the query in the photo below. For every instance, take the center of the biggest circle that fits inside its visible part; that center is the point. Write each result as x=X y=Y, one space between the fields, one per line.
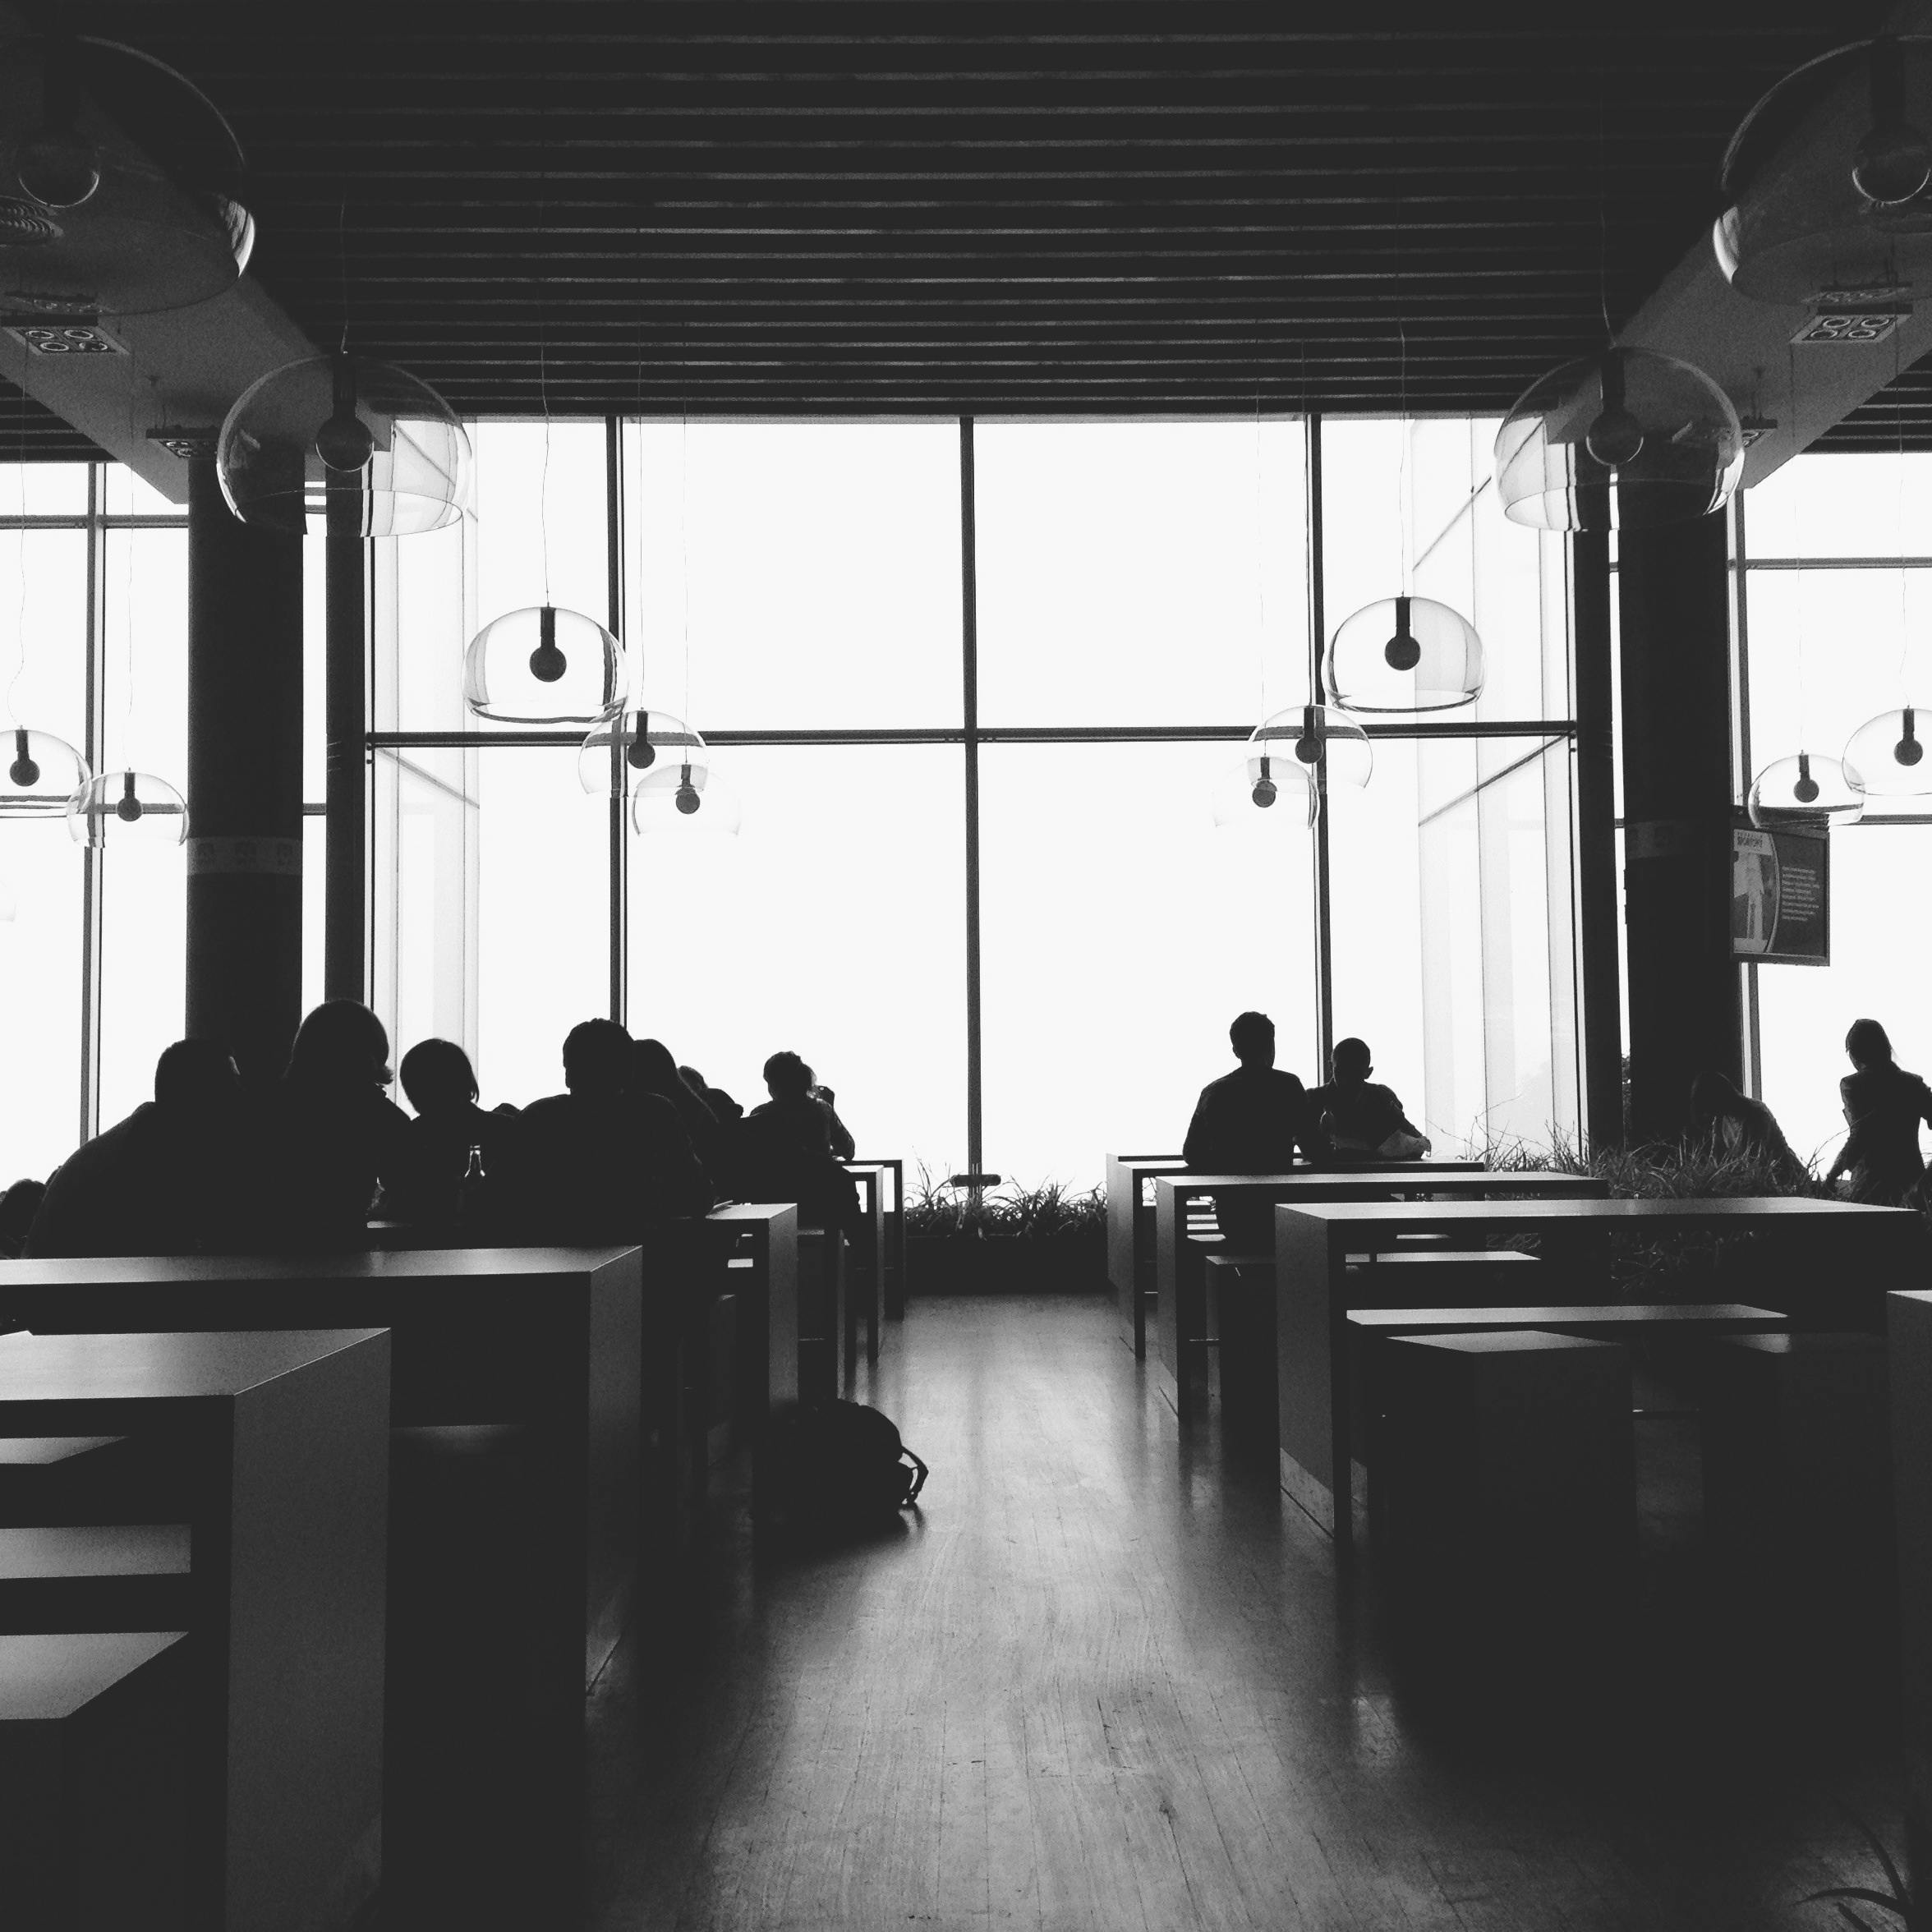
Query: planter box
x=1007 y=1264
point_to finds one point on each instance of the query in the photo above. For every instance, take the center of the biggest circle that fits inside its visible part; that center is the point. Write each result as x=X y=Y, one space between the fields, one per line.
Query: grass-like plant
x=1898 y=1901
x=1051 y=1211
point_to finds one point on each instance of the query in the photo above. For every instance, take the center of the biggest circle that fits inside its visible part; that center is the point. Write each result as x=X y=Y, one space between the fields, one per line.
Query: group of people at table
x=634 y=1140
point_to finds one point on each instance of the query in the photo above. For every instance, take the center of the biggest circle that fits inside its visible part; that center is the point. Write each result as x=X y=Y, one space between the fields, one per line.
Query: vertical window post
x=620 y=854
x=1317 y=633
x=969 y=668
x=93 y=866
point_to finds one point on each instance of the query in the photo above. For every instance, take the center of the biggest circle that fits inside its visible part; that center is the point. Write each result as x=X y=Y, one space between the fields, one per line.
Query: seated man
x=842 y=1145
x=1252 y=1121
x=600 y=1163
x=441 y=1085
x=165 y=1181
x=1732 y=1124
x=1362 y=1118
x=785 y=1152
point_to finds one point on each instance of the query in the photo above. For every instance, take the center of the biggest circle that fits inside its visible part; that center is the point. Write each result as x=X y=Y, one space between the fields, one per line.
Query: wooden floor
x=1105 y=1679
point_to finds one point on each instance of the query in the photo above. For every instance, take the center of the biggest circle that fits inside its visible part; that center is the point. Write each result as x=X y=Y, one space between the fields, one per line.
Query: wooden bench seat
x=94 y=1577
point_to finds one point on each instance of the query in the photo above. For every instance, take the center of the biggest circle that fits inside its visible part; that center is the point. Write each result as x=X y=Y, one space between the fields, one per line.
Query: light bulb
x=1908 y=751
x=129 y=808
x=688 y=800
x=1308 y=748
x=547 y=663
x=1616 y=438
x=1806 y=790
x=344 y=442
x=57 y=167
x=25 y=770
x=1401 y=653
x=1264 y=794
x=643 y=754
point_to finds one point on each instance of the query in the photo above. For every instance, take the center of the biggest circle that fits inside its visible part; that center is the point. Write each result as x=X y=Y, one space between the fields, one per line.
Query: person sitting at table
x=441 y=1084
x=601 y=1162
x=1733 y=1124
x=654 y=1070
x=842 y=1145
x=159 y=1182
x=1883 y=1106
x=724 y=1109
x=1360 y=1117
x=1252 y=1121
x=334 y=1135
x=784 y=1151
x=18 y=1206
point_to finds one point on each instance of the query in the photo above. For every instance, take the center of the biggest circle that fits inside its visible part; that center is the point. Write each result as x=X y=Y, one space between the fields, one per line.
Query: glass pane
x=425 y=615
x=315 y=668
x=543 y=953
x=44 y=633
x=1429 y=491
x=1830 y=649
x=40 y=871
x=1121 y=930
x=45 y=490
x=426 y=854
x=1881 y=931
x=144 y=890
x=127 y=495
x=832 y=925
x=1141 y=573
x=1853 y=504
x=801 y=576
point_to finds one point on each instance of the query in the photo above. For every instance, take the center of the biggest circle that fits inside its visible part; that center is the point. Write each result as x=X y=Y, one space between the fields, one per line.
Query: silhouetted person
x=18 y=1206
x=599 y=1162
x=724 y=1109
x=1737 y=1124
x=654 y=1070
x=1252 y=1121
x=441 y=1084
x=162 y=1181
x=1361 y=1117
x=785 y=1151
x=1883 y=1106
x=837 y=1133
x=334 y=1135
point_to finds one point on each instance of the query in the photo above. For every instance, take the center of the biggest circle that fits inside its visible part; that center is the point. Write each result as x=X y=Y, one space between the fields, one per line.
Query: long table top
x=1346 y=1184
x=1569 y=1210
x=158 y=1368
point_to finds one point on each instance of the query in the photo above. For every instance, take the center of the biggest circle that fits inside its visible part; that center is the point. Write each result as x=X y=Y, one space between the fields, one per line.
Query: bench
x=94 y=1747
x=117 y=1576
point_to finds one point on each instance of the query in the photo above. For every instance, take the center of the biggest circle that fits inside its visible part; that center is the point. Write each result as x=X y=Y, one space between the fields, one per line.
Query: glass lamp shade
x=1267 y=789
x=1830 y=182
x=1404 y=654
x=120 y=184
x=1625 y=441
x=1306 y=735
x=126 y=808
x=1885 y=756
x=545 y=665
x=40 y=773
x=677 y=795
x=638 y=742
x=1804 y=791
x=340 y=435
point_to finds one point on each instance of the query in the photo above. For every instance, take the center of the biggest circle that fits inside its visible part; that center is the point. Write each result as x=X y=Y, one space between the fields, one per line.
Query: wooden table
x=1130 y=1238
x=758 y=1250
x=1909 y=1330
x=894 y=1212
x=1312 y=1288
x=1177 y=1271
x=866 y=1270
x=282 y=1440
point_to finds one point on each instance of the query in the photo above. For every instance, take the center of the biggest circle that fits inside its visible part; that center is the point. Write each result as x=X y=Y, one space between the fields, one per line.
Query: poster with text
x=1781 y=896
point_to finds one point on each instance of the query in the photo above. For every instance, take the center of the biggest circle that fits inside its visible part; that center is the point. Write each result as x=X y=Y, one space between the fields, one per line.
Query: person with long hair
x=654 y=1070
x=1883 y=1106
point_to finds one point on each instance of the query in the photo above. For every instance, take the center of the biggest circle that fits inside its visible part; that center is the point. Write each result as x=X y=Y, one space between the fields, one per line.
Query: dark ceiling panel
x=893 y=207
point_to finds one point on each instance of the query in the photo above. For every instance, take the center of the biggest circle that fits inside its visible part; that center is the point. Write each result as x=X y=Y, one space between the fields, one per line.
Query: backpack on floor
x=834 y=1462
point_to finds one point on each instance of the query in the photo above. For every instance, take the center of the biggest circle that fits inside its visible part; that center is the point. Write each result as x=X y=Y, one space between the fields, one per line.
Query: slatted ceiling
x=1005 y=209
x=32 y=433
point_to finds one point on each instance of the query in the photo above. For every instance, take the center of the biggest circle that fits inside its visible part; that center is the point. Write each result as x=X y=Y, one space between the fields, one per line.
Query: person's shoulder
x=1284 y=1082
x=552 y=1108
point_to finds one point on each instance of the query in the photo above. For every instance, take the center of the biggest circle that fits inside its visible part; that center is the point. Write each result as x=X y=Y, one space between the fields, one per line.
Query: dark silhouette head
x=1350 y=1061
x=1713 y=1096
x=694 y=1080
x=597 y=1059
x=196 y=1080
x=654 y=1070
x=788 y=1077
x=340 y=1048
x=437 y=1076
x=18 y=1206
x=1252 y=1038
x=1867 y=1045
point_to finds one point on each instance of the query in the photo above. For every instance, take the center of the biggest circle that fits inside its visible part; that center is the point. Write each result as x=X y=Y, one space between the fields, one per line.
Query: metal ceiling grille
x=901 y=208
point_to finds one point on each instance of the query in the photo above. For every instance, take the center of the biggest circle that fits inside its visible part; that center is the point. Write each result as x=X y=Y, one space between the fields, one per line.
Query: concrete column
x=1599 y=935
x=1684 y=1006
x=245 y=759
x=345 y=969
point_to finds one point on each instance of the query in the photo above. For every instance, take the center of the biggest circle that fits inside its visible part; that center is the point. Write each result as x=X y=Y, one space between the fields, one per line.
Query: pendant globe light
x=545 y=665
x=1885 y=756
x=1328 y=747
x=619 y=750
x=1623 y=440
x=1267 y=789
x=1403 y=654
x=681 y=793
x=128 y=808
x=40 y=774
x=1805 y=792
x=1828 y=180
x=308 y=433
x=121 y=184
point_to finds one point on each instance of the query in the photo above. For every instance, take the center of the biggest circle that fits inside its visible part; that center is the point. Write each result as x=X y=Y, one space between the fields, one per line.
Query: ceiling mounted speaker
x=121 y=184
x=333 y=429
x=1622 y=440
x=1828 y=183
